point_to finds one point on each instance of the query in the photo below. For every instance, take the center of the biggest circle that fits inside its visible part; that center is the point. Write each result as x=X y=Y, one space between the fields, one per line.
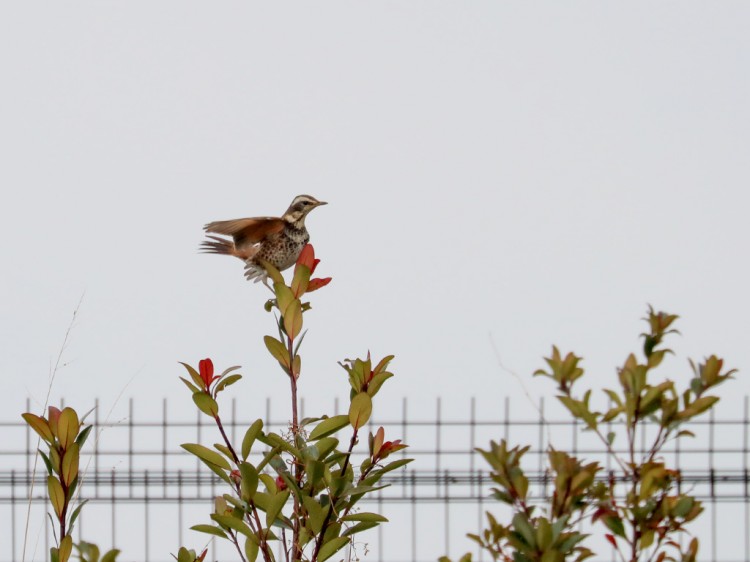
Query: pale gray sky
x=539 y=171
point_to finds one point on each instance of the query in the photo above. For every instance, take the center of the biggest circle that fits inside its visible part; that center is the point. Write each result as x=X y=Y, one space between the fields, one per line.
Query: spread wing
x=247 y=231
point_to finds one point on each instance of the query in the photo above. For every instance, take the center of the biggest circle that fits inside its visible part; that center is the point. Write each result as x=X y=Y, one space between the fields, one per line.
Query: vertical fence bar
x=405 y=439
x=130 y=448
x=472 y=444
x=745 y=476
x=413 y=515
x=480 y=513
x=28 y=444
x=542 y=490
x=13 y=513
x=113 y=500
x=438 y=436
x=198 y=440
x=447 y=521
x=711 y=448
x=179 y=507
x=146 y=525
x=97 y=433
x=164 y=446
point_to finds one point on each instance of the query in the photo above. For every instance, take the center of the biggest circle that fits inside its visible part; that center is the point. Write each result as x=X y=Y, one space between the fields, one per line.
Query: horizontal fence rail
x=145 y=492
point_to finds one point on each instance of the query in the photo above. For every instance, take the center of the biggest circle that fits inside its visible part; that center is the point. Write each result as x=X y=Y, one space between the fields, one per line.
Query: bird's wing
x=244 y=231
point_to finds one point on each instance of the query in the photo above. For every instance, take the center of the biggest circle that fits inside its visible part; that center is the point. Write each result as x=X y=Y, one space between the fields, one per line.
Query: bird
x=276 y=240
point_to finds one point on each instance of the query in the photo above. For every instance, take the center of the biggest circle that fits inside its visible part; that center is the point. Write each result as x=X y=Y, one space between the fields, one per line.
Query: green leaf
x=328 y=426
x=272 y=271
x=615 y=524
x=39 y=425
x=301 y=280
x=206 y=455
x=383 y=364
x=110 y=555
x=66 y=547
x=193 y=375
x=377 y=381
x=274 y=440
x=209 y=530
x=206 y=404
x=523 y=527
x=233 y=523
x=683 y=506
x=46 y=460
x=250 y=435
x=360 y=410
x=574 y=406
x=293 y=319
x=316 y=513
x=262 y=499
x=56 y=495
x=700 y=405
x=251 y=549
x=278 y=350
x=364 y=516
x=249 y=483
x=543 y=533
x=70 y=464
x=275 y=505
x=223 y=383
x=190 y=385
x=184 y=555
x=219 y=472
x=327 y=444
x=81 y=439
x=76 y=512
x=332 y=547
x=361 y=526
x=67 y=427
x=284 y=296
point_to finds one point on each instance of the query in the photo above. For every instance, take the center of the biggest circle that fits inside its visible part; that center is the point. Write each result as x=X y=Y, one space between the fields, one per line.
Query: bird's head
x=301 y=205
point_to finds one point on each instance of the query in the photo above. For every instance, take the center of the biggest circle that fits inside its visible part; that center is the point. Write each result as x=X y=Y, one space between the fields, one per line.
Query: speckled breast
x=284 y=250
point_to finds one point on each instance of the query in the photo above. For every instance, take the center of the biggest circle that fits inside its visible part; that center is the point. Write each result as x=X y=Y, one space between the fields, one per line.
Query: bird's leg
x=264 y=280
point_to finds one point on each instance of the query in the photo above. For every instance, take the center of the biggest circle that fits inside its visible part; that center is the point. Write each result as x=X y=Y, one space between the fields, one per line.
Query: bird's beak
x=319 y=203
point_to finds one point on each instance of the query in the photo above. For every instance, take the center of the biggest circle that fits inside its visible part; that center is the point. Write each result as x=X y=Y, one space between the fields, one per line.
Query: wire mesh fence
x=145 y=492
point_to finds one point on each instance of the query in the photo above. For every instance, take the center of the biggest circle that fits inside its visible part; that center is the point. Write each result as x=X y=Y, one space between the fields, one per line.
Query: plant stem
x=263 y=541
x=296 y=549
x=236 y=459
x=293 y=382
x=237 y=545
x=327 y=520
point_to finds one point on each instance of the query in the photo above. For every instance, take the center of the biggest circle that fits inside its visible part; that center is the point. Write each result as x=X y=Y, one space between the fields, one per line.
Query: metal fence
x=144 y=492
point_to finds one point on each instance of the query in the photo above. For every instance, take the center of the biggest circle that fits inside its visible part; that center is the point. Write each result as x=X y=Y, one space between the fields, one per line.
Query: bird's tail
x=218 y=245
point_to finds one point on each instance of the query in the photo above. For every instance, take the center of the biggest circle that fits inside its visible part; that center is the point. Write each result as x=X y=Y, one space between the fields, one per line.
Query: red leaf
x=206 y=368
x=307 y=257
x=317 y=283
x=611 y=539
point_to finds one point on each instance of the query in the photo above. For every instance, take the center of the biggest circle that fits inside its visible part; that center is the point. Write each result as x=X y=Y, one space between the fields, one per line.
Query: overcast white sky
x=537 y=171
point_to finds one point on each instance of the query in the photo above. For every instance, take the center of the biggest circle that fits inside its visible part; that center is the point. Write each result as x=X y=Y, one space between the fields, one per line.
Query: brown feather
x=222 y=246
x=247 y=230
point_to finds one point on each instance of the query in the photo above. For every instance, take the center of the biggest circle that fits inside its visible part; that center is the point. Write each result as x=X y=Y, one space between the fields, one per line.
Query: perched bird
x=278 y=241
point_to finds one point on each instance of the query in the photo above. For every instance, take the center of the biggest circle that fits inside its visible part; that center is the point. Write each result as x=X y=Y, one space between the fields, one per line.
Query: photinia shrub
x=640 y=509
x=302 y=489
